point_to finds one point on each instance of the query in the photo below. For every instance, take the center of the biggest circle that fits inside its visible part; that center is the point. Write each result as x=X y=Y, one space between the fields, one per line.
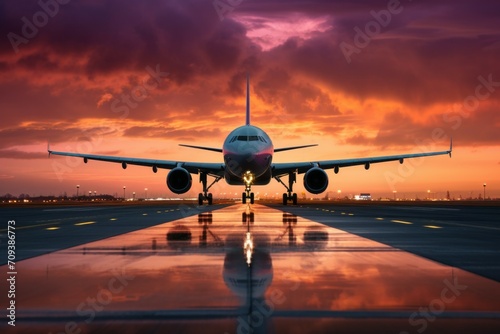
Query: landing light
x=248 y=178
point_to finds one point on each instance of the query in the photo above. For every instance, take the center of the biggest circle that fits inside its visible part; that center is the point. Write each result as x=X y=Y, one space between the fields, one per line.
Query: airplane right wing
x=191 y=167
x=280 y=169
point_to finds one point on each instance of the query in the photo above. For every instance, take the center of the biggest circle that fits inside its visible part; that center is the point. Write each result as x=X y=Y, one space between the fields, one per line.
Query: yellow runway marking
x=432 y=226
x=401 y=222
x=84 y=223
x=52 y=228
x=379 y=218
x=32 y=226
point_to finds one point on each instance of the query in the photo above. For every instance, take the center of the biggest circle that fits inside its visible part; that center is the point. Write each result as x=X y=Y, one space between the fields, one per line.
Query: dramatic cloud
x=382 y=74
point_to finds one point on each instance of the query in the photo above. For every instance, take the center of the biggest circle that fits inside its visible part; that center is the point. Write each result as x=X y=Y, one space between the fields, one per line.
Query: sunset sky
x=359 y=78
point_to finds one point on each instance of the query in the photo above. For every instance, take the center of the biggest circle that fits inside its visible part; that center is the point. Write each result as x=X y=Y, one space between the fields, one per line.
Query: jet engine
x=179 y=180
x=315 y=180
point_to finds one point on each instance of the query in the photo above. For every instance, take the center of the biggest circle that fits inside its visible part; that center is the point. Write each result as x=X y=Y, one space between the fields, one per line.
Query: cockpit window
x=248 y=138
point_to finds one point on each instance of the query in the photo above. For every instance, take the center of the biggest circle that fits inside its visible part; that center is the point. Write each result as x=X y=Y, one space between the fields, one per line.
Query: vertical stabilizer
x=248 y=100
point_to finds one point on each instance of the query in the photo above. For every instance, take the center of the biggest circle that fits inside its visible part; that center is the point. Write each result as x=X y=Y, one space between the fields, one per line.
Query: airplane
x=248 y=160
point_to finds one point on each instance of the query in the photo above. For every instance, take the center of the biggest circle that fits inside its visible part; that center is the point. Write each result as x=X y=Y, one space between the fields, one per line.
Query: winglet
x=48 y=148
x=248 y=100
x=451 y=146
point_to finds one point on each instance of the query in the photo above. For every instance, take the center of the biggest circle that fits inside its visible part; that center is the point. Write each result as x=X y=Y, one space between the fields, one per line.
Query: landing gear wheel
x=252 y=198
x=243 y=198
x=294 y=198
x=285 y=199
x=205 y=195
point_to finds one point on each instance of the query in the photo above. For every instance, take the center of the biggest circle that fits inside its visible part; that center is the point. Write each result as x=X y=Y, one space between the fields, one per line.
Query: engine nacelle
x=179 y=180
x=315 y=180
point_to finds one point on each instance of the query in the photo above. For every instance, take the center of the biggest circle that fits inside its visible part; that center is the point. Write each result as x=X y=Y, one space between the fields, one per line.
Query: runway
x=314 y=268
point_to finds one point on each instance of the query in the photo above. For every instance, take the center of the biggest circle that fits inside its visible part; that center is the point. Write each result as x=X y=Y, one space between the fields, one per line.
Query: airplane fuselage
x=248 y=149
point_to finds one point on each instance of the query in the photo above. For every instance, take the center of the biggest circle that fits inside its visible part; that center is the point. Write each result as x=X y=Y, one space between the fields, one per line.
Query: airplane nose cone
x=249 y=154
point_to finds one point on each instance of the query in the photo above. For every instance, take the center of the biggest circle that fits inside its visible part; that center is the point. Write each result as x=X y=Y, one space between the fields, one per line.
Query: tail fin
x=248 y=100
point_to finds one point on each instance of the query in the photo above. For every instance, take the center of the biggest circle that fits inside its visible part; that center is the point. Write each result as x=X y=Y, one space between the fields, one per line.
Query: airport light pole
x=484 y=191
x=145 y=193
x=77 y=190
x=124 y=187
x=394 y=192
x=133 y=196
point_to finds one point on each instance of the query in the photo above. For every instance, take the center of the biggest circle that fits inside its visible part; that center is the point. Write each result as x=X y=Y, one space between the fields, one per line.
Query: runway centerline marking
x=432 y=226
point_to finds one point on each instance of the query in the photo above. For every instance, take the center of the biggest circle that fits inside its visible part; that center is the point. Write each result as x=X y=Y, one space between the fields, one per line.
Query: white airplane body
x=248 y=155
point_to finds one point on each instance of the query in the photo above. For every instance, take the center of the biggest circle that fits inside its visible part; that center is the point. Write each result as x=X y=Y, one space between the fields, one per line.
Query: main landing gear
x=206 y=195
x=289 y=195
x=248 y=194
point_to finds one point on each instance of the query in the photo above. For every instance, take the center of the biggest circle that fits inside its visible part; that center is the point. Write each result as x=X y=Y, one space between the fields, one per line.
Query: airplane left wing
x=191 y=167
x=280 y=169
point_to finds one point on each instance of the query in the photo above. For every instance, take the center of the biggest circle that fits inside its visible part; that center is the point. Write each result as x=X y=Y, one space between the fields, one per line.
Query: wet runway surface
x=464 y=236
x=246 y=269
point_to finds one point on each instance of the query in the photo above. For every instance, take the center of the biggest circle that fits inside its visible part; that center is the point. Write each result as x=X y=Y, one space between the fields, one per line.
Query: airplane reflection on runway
x=248 y=268
x=248 y=265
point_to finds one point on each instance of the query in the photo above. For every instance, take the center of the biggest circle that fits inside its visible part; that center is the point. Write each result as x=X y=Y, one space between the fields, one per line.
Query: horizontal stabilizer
x=292 y=148
x=203 y=148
